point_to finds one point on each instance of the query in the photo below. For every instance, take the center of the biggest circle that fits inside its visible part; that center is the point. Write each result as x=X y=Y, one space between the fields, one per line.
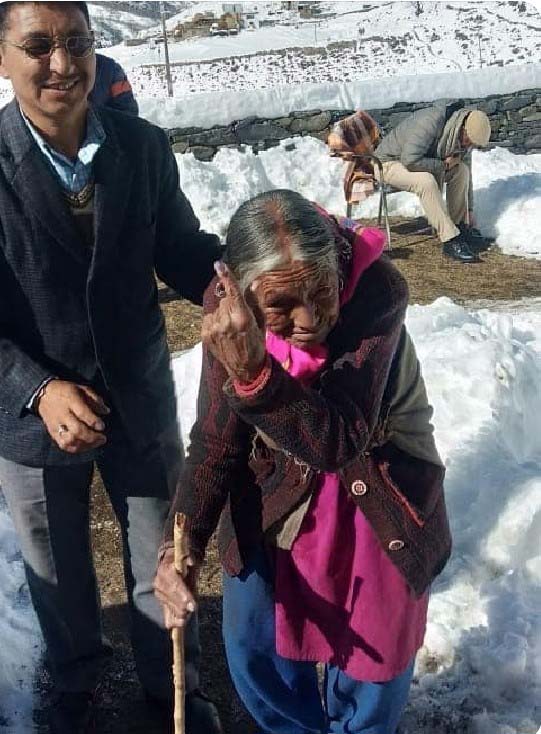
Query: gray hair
x=272 y=229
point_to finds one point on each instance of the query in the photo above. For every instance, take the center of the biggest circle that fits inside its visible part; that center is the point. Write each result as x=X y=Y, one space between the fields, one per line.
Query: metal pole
x=480 y=53
x=166 y=52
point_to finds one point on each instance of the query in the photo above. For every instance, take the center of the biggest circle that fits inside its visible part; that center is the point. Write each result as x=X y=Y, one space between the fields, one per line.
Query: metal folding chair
x=360 y=183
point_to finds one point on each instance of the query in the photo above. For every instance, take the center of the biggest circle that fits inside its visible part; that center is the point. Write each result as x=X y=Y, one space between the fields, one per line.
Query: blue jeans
x=283 y=695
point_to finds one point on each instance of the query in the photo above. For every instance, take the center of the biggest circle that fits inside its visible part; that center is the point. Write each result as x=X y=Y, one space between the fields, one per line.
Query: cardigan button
x=396 y=545
x=359 y=488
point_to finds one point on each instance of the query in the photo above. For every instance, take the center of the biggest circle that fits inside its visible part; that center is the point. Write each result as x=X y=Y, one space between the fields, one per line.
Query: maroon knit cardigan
x=336 y=425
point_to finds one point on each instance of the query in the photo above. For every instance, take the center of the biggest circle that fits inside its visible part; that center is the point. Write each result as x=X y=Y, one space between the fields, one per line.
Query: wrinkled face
x=49 y=88
x=299 y=303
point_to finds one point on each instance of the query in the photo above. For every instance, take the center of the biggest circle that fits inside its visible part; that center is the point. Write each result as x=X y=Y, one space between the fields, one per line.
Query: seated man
x=431 y=147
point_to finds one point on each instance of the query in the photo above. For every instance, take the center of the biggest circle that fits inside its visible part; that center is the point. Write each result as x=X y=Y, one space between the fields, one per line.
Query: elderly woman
x=313 y=448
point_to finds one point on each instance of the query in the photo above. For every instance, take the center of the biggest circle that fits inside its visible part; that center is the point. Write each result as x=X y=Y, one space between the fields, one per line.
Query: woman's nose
x=305 y=317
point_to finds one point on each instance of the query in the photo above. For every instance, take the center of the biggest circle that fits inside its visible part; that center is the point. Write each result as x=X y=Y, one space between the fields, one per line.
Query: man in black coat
x=90 y=210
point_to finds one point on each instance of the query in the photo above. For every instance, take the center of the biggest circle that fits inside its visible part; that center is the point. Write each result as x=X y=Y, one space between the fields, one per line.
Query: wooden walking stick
x=182 y=552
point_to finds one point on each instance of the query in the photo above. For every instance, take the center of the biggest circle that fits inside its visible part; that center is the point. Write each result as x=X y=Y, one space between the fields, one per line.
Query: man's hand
x=232 y=333
x=71 y=414
x=451 y=161
x=175 y=594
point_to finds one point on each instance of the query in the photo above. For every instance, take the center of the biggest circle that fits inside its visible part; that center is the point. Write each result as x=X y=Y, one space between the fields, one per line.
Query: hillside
x=359 y=41
x=115 y=21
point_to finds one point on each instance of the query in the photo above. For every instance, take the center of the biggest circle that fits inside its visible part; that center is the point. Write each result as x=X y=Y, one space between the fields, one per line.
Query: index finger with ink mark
x=228 y=280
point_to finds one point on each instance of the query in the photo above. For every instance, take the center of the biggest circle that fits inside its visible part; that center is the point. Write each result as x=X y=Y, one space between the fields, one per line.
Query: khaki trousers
x=442 y=217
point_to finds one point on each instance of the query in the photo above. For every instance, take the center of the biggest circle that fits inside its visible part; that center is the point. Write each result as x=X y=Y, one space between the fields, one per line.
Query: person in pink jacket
x=313 y=448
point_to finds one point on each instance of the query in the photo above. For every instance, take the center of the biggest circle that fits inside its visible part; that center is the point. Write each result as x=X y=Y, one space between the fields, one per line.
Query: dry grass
x=430 y=275
x=418 y=256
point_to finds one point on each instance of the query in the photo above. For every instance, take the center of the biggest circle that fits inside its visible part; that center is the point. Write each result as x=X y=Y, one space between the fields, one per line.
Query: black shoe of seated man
x=72 y=713
x=474 y=238
x=458 y=249
x=200 y=714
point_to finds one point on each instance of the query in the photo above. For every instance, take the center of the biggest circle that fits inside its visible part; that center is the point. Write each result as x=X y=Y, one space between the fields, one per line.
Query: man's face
x=465 y=142
x=51 y=88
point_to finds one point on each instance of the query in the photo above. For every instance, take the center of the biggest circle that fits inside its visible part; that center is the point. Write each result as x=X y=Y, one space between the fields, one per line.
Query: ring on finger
x=62 y=428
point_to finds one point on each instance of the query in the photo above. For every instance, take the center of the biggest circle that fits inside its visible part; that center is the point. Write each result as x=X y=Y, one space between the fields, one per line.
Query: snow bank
x=221 y=108
x=508 y=200
x=481 y=657
x=507 y=188
x=480 y=667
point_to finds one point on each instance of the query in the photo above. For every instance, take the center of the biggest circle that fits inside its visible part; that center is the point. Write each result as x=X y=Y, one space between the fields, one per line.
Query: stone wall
x=515 y=120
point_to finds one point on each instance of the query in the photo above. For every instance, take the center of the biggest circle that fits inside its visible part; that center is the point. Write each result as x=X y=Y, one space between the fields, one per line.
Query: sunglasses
x=40 y=48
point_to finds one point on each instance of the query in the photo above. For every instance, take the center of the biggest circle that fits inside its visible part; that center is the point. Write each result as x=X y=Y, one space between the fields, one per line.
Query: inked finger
x=228 y=280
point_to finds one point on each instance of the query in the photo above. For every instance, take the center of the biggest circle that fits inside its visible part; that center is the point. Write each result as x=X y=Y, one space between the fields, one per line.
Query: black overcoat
x=80 y=312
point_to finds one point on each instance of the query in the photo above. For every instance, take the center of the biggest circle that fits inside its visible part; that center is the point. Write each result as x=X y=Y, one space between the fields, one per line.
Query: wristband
x=244 y=390
x=40 y=392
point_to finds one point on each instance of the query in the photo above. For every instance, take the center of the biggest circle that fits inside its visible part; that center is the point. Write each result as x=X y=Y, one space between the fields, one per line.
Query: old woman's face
x=299 y=303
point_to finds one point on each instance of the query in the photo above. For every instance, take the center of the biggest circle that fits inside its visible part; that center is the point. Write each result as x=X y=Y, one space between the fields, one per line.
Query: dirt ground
x=120 y=707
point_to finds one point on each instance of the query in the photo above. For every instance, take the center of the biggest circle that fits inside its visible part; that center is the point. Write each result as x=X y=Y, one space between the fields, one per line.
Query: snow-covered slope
x=115 y=21
x=386 y=39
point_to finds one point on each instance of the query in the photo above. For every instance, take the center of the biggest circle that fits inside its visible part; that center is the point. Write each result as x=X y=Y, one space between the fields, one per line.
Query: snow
x=508 y=191
x=507 y=188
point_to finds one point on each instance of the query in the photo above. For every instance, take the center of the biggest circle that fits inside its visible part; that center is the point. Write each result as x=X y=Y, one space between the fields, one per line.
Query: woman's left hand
x=232 y=333
x=176 y=594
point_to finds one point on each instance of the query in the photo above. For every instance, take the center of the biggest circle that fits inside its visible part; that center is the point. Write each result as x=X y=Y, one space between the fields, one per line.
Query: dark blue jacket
x=112 y=88
x=67 y=309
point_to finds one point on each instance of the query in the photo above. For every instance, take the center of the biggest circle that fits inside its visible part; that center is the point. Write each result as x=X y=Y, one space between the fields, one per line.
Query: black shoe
x=474 y=238
x=72 y=713
x=200 y=714
x=458 y=249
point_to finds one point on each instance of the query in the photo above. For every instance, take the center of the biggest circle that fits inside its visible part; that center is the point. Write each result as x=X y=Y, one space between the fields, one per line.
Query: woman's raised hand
x=232 y=333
